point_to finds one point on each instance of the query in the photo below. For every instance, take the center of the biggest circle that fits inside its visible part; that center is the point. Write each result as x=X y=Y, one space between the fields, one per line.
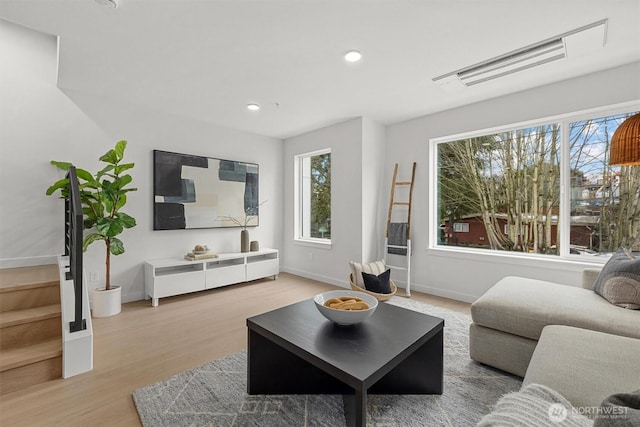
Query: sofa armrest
x=589 y=276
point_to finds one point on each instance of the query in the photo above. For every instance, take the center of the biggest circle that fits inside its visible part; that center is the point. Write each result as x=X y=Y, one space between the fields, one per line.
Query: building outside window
x=313 y=196
x=604 y=198
x=507 y=186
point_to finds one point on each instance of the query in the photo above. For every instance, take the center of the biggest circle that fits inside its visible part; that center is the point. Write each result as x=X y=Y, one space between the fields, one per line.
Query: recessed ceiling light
x=253 y=107
x=353 y=56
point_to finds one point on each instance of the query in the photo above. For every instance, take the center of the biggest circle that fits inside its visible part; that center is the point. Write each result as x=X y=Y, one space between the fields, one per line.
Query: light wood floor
x=143 y=345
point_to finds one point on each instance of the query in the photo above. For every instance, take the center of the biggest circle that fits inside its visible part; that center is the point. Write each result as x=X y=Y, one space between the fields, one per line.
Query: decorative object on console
x=200 y=249
x=193 y=257
x=102 y=196
x=195 y=191
x=200 y=252
x=249 y=215
x=244 y=241
x=254 y=246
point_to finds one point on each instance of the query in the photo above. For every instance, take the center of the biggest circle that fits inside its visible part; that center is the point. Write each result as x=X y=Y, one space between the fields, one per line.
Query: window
x=313 y=201
x=507 y=185
x=461 y=227
x=604 y=198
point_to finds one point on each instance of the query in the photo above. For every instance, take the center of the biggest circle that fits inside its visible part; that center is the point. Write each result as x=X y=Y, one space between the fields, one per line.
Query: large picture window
x=506 y=186
x=313 y=206
x=604 y=198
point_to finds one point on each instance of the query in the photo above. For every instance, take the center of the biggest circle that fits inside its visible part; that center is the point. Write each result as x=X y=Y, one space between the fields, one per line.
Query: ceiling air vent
x=568 y=45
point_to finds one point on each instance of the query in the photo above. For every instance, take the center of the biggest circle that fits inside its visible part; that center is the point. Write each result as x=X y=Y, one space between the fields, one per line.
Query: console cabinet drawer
x=225 y=275
x=263 y=268
x=178 y=284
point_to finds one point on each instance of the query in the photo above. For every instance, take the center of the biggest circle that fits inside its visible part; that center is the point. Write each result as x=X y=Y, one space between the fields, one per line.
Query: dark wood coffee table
x=295 y=350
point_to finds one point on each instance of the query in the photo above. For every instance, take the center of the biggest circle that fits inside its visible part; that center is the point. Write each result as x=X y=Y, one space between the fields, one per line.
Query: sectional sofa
x=567 y=338
x=508 y=319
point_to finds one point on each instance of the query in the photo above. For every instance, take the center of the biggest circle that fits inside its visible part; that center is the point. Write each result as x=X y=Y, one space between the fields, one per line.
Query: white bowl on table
x=345 y=317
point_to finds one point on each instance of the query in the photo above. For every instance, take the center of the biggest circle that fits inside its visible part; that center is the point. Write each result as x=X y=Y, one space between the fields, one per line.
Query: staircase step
x=29 y=287
x=20 y=357
x=21 y=328
x=30 y=327
x=36 y=364
x=27 y=315
x=28 y=275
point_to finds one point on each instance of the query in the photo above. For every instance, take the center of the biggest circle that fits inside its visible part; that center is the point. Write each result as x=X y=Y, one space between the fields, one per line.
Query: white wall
x=39 y=122
x=373 y=189
x=330 y=265
x=463 y=276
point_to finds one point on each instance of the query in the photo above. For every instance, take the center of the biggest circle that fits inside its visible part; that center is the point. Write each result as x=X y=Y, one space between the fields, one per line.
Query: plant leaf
x=122 y=200
x=121 y=168
x=109 y=227
x=104 y=170
x=126 y=220
x=109 y=157
x=85 y=175
x=61 y=165
x=122 y=181
x=115 y=246
x=89 y=239
x=119 y=149
x=63 y=183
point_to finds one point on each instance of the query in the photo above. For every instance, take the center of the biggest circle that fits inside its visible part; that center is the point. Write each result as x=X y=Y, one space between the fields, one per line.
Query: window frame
x=564 y=120
x=298 y=171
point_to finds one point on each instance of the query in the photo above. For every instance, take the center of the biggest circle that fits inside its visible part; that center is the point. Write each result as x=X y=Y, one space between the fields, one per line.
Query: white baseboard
x=444 y=293
x=28 y=261
x=325 y=279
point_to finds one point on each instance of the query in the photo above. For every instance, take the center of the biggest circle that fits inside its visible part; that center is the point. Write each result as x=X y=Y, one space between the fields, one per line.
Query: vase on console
x=244 y=241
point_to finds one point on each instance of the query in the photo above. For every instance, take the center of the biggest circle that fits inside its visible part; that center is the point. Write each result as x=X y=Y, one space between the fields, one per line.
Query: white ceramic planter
x=106 y=303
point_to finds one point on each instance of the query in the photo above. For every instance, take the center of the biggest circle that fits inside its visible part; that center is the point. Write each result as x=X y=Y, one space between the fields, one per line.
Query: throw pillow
x=534 y=405
x=378 y=284
x=375 y=267
x=619 y=281
x=619 y=410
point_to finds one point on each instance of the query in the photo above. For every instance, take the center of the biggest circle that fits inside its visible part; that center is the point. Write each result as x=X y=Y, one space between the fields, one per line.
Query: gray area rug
x=215 y=394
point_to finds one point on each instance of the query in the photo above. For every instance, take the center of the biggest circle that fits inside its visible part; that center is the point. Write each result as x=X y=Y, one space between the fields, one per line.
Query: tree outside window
x=506 y=186
x=314 y=208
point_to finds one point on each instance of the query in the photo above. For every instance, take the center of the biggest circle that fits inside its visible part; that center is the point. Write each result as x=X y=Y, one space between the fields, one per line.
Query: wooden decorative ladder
x=30 y=327
x=404 y=228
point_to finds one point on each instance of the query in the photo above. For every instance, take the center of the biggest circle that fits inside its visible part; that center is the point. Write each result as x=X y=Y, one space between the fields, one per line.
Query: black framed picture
x=203 y=192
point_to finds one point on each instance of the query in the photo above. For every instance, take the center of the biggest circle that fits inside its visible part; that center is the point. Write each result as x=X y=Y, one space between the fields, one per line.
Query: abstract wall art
x=203 y=192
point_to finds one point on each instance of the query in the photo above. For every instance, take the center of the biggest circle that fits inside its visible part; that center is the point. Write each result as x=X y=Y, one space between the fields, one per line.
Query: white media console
x=174 y=276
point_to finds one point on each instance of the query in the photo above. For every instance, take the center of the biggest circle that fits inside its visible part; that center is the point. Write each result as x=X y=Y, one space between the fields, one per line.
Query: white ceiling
x=208 y=59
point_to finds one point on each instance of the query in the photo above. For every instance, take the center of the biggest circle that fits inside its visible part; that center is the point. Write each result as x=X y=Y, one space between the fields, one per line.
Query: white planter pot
x=106 y=303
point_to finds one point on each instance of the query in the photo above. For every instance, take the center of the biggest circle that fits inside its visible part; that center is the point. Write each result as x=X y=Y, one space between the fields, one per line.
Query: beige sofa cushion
x=584 y=366
x=523 y=307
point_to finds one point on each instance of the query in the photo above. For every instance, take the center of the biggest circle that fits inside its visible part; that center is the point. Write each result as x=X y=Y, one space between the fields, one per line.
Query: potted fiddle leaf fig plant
x=103 y=195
